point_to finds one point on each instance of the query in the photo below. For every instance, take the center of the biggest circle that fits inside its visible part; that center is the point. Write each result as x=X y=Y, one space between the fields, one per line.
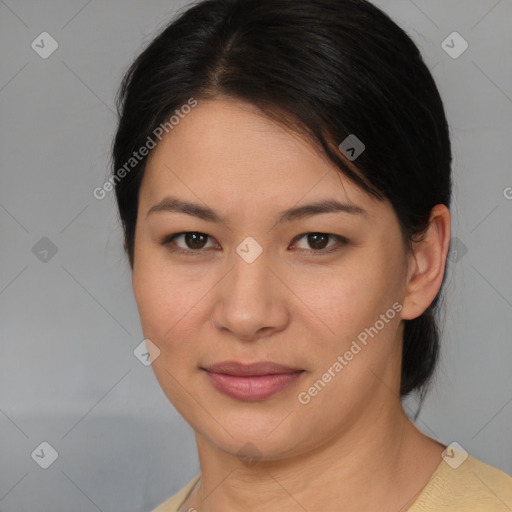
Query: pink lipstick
x=251 y=382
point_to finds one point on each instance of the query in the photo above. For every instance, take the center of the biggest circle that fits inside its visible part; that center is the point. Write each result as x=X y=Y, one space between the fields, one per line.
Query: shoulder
x=173 y=503
x=465 y=484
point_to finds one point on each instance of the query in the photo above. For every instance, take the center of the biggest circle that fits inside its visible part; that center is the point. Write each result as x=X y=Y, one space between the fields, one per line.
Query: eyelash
x=194 y=252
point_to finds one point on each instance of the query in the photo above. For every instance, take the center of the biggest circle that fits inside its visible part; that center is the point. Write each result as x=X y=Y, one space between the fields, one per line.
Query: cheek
x=349 y=300
x=171 y=302
x=169 y=319
x=348 y=295
x=358 y=345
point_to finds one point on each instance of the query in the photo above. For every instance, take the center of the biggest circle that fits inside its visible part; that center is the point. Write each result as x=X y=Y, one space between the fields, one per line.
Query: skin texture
x=352 y=444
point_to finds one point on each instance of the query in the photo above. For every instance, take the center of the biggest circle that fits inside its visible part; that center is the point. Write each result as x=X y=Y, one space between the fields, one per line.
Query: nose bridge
x=247 y=301
x=249 y=277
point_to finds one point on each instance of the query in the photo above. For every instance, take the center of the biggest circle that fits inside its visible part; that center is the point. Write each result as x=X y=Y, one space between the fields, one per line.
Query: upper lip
x=241 y=369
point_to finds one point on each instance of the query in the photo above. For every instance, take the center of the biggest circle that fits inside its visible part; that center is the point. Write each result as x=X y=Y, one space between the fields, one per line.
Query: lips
x=251 y=382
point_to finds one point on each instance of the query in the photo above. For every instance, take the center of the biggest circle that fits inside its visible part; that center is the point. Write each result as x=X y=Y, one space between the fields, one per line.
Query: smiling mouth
x=251 y=382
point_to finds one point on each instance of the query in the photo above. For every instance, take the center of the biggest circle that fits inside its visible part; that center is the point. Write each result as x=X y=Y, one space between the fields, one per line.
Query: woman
x=282 y=172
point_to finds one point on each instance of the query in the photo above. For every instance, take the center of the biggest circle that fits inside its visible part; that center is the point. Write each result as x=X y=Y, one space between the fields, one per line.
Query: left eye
x=318 y=241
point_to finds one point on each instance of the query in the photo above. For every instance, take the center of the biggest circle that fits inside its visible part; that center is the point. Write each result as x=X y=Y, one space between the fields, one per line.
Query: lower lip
x=252 y=388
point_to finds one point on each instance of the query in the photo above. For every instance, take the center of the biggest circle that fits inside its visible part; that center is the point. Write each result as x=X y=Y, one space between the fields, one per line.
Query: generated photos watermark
x=143 y=151
x=304 y=397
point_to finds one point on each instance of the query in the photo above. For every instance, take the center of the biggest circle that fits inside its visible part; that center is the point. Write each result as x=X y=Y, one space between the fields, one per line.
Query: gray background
x=69 y=324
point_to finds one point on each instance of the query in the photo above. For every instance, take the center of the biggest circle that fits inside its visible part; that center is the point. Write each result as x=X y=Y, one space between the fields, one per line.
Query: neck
x=386 y=468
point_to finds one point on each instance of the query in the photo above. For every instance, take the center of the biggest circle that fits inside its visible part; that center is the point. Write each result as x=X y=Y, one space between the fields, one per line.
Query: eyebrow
x=175 y=205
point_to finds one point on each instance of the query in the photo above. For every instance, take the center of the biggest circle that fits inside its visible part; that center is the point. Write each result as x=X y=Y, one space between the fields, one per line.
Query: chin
x=266 y=436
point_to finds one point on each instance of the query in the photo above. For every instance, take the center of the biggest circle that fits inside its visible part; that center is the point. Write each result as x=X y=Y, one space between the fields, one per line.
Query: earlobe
x=427 y=264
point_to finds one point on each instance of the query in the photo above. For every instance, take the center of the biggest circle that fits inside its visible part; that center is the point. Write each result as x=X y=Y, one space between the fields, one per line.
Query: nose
x=250 y=302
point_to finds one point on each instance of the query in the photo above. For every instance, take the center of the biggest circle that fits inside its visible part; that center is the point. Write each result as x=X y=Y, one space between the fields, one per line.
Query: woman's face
x=253 y=288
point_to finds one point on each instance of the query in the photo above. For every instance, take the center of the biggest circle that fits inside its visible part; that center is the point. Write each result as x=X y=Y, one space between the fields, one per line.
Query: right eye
x=194 y=242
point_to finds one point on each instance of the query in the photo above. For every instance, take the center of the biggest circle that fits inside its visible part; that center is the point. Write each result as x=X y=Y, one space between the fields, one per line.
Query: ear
x=426 y=264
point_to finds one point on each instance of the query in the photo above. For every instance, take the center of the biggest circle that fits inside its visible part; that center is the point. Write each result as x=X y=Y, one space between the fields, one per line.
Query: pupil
x=192 y=238
x=314 y=242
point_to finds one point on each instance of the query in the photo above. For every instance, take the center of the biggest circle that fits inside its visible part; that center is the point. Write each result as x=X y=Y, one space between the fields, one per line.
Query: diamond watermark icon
x=454 y=45
x=351 y=147
x=457 y=250
x=454 y=455
x=45 y=455
x=44 y=250
x=249 y=250
x=249 y=454
x=44 y=45
x=146 y=352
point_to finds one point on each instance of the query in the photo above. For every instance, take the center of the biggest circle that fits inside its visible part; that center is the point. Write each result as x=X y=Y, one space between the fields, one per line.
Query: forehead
x=228 y=150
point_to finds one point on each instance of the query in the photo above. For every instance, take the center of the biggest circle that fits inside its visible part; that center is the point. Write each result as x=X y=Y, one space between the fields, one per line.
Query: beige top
x=472 y=486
